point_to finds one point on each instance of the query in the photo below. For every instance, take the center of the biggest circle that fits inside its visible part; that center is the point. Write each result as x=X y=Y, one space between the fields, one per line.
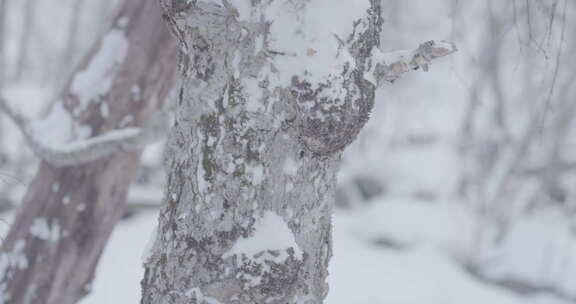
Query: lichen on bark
x=244 y=144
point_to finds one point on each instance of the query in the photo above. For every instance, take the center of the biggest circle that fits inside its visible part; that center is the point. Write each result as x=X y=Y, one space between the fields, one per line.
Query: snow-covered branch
x=90 y=149
x=390 y=66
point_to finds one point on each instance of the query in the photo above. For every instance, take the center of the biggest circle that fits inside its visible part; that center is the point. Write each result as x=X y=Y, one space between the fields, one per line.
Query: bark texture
x=68 y=213
x=252 y=161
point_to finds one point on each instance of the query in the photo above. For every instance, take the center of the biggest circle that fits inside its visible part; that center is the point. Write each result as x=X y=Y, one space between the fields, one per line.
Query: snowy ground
x=411 y=267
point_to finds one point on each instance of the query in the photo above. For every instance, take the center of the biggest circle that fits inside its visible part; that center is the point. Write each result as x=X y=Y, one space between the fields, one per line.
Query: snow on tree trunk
x=272 y=92
x=68 y=213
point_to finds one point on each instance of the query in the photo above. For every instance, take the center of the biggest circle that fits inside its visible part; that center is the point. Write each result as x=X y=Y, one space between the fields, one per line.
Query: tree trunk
x=68 y=213
x=272 y=93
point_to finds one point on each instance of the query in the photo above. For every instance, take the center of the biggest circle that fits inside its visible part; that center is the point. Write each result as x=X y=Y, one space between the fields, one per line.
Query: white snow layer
x=56 y=132
x=96 y=79
x=270 y=233
x=539 y=249
x=305 y=33
x=53 y=130
x=43 y=230
x=359 y=272
x=16 y=259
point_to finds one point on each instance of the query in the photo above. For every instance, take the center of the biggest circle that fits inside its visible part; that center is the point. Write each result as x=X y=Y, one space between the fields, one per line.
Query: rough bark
x=250 y=154
x=68 y=213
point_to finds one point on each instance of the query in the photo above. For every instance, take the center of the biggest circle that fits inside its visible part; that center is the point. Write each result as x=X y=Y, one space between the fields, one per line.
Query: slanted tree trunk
x=272 y=93
x=68 y=213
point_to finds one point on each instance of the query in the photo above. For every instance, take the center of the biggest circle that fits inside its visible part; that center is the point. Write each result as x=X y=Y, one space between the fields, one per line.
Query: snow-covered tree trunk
x=73 y=203
x=272 y=92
